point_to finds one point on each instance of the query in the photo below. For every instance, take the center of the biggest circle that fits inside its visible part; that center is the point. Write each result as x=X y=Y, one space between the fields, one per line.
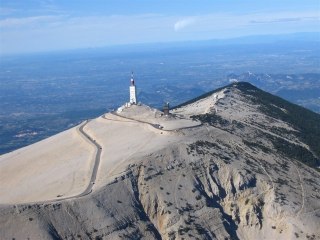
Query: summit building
x=132 y=89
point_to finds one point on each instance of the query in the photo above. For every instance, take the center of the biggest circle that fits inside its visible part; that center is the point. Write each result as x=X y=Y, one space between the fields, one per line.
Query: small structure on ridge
x=132 y=89
x=166 y=109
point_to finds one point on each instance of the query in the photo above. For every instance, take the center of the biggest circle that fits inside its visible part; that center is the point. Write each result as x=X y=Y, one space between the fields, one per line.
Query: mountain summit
x=235 y=163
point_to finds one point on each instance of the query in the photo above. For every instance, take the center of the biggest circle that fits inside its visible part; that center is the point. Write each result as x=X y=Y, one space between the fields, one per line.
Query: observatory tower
x=133 y=95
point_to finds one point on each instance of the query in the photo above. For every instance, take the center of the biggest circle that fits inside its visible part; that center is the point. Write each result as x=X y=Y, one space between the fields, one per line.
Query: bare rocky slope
x=248 y=171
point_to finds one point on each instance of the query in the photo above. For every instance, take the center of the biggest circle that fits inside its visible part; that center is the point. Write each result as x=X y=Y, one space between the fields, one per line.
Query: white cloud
x=181 y=24
x=27 y=21
x=283 y=17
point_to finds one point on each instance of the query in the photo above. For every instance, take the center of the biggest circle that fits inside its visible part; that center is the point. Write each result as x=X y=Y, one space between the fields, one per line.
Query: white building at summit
x=133 y=95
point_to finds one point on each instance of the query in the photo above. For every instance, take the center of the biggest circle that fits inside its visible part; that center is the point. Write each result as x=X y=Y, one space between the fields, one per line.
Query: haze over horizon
x=49 y=25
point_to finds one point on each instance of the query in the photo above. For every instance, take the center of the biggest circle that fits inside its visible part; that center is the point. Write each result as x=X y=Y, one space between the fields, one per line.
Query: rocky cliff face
x=248 y=172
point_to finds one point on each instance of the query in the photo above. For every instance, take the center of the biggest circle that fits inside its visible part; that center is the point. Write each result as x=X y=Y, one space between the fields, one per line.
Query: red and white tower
x=133 y=96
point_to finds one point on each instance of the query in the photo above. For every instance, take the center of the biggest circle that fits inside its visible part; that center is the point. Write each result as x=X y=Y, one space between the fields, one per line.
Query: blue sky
x=46 y=25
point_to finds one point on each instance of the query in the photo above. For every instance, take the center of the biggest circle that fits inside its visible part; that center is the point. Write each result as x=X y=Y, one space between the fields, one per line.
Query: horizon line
x=164 y=43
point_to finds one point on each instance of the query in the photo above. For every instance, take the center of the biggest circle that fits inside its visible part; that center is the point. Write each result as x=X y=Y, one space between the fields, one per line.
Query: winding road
x=97 y=157
x=156 y=126
x=96 y=161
